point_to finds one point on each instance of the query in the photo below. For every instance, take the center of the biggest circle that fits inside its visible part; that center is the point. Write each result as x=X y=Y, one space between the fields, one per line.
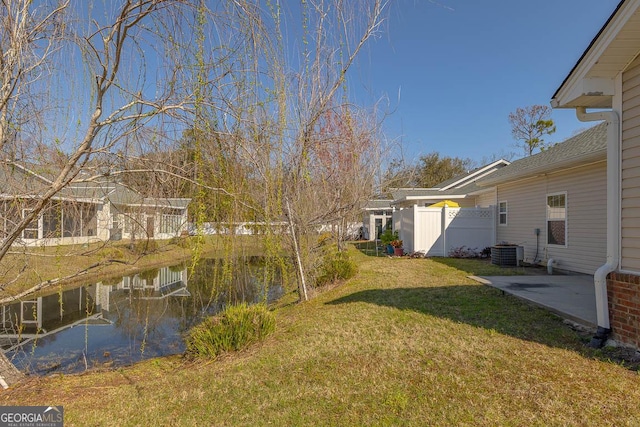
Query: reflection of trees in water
x=147 y=321
x=140 y=319
x=212 y=284
x=217 y=282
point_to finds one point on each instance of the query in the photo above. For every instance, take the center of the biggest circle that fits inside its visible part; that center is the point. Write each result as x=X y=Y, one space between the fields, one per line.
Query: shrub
x=181 y=241
x=110 y=253
x=336 y=265
x=143 y=247
x=388 y=236
x=233 y=329
x=464 y=252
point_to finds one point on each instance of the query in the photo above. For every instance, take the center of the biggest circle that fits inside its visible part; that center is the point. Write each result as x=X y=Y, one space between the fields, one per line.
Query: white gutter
x=613 y=212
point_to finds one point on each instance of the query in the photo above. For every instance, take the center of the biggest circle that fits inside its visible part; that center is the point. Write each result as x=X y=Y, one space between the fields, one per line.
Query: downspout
x=613 y=219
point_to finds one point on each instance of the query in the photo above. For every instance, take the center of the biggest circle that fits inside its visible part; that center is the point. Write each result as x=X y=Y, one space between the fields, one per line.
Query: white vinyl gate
x=436 y=231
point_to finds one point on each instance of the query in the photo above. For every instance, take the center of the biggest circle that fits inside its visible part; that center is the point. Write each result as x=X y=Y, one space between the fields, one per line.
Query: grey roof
x=121 y=195
x=470 y=177
x=431 y=193
x=400 y=193
x=464 y=184
x=378 y=204
x=21 y=181
x=587 y=146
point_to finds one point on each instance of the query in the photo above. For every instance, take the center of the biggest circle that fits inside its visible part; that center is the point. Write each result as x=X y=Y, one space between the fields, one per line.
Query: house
x=466 y=218
x=554 y=203
x=462 y=189
x=84 y=212
x=607 y=78
x=376 y=218
x=131 y=215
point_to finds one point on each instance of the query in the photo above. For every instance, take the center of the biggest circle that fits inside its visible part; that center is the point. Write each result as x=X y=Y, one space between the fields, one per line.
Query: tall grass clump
x=233 y=329
x=336 y=265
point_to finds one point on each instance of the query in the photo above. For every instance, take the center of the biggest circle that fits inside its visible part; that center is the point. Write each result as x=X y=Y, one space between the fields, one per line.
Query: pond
x=124 y=320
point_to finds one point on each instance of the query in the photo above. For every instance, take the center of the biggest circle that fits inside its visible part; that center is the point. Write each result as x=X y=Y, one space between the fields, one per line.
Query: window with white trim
x=170 y=223
x=557 y=219
x=502 y=213
x=52 y=221
x=31 y=230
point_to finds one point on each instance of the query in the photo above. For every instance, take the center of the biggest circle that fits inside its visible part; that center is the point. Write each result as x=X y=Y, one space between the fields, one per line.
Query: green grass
x=235 y=328
x=405 y=342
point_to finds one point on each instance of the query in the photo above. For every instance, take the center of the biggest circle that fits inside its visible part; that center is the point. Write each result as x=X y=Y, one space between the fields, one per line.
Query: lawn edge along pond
x=404 y=342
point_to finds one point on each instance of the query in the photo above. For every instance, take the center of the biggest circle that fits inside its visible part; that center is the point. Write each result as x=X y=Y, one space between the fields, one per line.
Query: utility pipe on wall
x=613 y=213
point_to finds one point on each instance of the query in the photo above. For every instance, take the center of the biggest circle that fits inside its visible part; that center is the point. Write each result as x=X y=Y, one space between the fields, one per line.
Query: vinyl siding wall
x=630 y=256
x=585 y=188
x=487 y=199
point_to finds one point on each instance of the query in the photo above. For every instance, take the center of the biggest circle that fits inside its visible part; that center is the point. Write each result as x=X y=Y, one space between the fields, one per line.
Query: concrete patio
x=571 y=296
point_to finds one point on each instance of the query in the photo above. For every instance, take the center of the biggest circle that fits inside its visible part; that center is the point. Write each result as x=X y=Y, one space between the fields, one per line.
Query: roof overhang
x=482 y=191
x=591 y=82
x=430 y=198
x=583 y=160
x=477 y=174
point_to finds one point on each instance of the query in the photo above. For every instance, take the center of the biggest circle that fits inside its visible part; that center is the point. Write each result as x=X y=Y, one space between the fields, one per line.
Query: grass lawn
x=406 y=342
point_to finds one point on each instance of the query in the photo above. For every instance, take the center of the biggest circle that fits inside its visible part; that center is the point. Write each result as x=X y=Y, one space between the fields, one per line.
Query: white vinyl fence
x=436 y=231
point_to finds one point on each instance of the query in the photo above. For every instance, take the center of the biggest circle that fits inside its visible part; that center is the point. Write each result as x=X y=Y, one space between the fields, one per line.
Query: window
x=170 y=223
x=89 y=220
x=133 y=223
x=52 y=221
x=5 y=222
x=31 y=230
x=502 y=213
x=557 y=219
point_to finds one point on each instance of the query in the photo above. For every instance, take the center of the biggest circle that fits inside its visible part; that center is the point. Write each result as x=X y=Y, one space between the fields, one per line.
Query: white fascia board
x=475 y=175
x=573 y=83
x=439 y=197
x=586 y=87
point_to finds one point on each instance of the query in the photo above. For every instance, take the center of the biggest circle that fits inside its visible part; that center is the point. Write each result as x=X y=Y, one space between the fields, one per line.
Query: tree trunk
x=302 y=284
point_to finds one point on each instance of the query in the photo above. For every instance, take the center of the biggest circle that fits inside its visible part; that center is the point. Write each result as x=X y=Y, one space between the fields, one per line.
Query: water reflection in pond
x=121 y=321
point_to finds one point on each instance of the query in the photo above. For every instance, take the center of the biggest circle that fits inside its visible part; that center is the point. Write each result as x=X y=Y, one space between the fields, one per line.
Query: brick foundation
x=623 y=291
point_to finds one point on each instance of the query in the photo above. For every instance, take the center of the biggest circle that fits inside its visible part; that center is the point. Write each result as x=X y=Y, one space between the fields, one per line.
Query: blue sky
x=453 y=70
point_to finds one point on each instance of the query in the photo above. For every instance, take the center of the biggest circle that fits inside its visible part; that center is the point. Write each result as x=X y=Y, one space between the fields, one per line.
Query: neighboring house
x=554 y=203
x=85 y=212
x=130 y=215
x=462 y=189
x=436 y=231
x=377 y=217
x=607 y=76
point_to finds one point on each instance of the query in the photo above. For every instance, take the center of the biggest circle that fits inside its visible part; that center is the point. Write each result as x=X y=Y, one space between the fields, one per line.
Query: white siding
x=630 y=209
x=586 y=217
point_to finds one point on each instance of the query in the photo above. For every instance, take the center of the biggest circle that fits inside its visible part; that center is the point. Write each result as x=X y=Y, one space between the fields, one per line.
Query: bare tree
x=430 y=170
x=279 y=108
x=321 y=78
x=529 y=125
x=258 y=91
x=75 y=79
